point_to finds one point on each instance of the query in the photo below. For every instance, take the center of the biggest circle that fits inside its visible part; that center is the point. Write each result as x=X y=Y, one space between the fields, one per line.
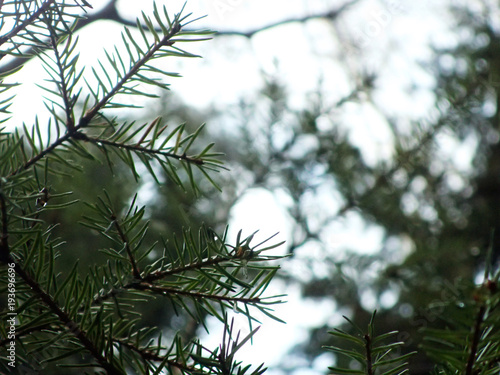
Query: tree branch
x=124 y=238
x=160 y=275
x=189 y=267
x=475 y=339
x=26 y=22
x=149 y=355
x=368 y=347
x=72 y=326
x=187 y=293
x=35 y=159
x=165 y=41
x=110 y=13
x=5 y=256
x=65 y=92
x=145 y=150
x=330 y=15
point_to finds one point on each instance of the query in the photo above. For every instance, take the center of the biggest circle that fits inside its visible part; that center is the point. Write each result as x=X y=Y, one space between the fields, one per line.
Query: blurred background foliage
x=437 y=217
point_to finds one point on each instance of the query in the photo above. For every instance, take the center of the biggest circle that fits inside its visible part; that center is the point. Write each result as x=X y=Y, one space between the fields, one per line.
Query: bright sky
x=395 y=40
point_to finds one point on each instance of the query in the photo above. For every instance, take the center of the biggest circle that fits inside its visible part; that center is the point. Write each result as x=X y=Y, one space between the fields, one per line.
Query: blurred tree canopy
x=436 y=198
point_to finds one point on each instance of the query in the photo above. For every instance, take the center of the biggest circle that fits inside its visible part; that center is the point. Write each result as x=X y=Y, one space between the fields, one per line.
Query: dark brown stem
x=124 y=238
x=165 y=41
x=331 y=15
x=149 y=355
x=4 y=239
x=68 y=106
x=160 y=275
x=35 y=159
x=368 y=347
x=26 y=23
x=186 y=293
x=145 y=150
x=476 y=336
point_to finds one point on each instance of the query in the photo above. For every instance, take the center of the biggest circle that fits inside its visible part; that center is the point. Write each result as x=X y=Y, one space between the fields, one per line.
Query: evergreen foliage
x=88 y=269
x=464 y=339
x=373 y=354
x=88 y=319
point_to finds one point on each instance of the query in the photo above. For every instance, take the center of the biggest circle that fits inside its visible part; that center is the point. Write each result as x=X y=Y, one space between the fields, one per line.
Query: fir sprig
x=198 y=274
x=468 y=341
x=372 y=354
x=89 y=320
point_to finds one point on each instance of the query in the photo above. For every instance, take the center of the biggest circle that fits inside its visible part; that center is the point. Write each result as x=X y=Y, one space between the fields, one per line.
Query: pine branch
x=29 y=21
x=141 y=149
x=71 y=325
x=209 y=262
x=469 y=342
x=110 y=13
x=165 y=41
x=368 y=348
x=68 y=102
x=158 y=275
x=51 y=309
x=44 y=153
x=371 y=358
x=476 y=337
x=20 y=333
x=5 y=256
x=195 y=295
x=222 y=359
x=146 y=282
x=124 y=238
x=74 y=132
x=150 y=355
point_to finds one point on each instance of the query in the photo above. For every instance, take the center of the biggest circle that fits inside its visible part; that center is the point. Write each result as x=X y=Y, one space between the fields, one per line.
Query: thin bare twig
x=110 y=13
x=330 y=15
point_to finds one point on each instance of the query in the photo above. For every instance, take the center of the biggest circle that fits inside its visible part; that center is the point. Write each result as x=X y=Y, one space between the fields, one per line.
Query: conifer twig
x=4 y=239
x=68 y=105
x=368 y=347
x=149 y=355
x=165 y=41
x=476 y=336
x=124 y=238
x=203 y=296
x=145 y=150
x=46 y=5
x=71 y=325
